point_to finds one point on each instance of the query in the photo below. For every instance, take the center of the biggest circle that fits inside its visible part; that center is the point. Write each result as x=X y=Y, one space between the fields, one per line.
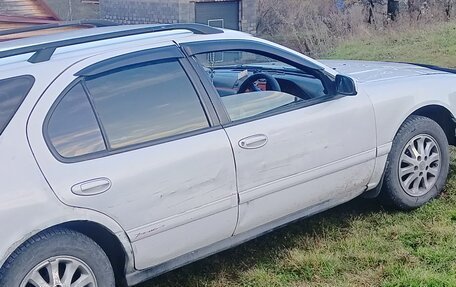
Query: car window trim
x=212 y=46
x=212 y=119
x=131 y=59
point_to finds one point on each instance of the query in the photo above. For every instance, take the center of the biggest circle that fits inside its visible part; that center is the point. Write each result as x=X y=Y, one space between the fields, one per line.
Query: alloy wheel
x=61 y=271
x=419 y=165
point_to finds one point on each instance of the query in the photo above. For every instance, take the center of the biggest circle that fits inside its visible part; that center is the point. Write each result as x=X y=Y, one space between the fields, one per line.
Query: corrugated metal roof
x=27 y=8
x=20 y=13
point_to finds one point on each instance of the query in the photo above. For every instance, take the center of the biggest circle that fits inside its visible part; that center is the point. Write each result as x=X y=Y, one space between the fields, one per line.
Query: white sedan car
x=128 y=151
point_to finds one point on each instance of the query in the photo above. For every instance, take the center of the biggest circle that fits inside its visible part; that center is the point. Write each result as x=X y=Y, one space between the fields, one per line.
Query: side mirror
x=345 y=86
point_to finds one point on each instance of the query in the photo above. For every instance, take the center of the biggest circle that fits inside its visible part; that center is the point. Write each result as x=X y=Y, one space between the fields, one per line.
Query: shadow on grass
x=265 y=250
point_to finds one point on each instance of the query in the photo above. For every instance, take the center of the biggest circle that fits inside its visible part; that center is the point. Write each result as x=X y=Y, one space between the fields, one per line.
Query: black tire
x=52 y=243
x=393 y=194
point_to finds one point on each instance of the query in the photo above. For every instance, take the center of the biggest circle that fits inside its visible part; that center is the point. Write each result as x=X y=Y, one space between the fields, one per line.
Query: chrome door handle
x=92 y=187
x=253 y=142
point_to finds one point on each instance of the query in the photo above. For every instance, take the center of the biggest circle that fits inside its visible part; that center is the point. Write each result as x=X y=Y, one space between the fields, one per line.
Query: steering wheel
x=249 y=83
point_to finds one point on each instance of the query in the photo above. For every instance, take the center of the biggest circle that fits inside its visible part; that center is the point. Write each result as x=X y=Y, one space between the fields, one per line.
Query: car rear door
x=131 y=134
x=308 y=156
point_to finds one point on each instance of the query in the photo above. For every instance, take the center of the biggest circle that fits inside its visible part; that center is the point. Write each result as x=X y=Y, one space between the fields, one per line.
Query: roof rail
x=44 y=52
x=94 y=23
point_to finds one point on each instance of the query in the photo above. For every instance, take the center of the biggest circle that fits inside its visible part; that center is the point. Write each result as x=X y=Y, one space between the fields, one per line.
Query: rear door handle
x=253 y=142
x=92 y=187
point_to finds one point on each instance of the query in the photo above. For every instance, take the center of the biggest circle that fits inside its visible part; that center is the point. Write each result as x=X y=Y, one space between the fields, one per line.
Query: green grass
x=359 y=243
x=429 y=45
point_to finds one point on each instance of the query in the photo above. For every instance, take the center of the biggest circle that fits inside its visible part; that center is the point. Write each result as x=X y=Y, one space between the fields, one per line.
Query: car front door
x=294 y=155
x=133 y=137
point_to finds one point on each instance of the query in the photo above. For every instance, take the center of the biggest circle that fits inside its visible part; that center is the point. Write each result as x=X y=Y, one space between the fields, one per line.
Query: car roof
x=86 y=49
x=65 y=56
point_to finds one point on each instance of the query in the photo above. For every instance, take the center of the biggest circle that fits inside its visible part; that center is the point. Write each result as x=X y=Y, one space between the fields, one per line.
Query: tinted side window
x=251 y=85
x=144 y=103
x=73 y=129
x=12 y=92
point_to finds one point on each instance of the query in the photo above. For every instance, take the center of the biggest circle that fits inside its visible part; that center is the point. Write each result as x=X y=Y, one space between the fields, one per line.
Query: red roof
x=27 y=10
x=20 y=13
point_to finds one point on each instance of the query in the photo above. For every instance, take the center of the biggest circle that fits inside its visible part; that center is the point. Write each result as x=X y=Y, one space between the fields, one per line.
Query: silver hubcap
x=419 y=165
x=61 y=271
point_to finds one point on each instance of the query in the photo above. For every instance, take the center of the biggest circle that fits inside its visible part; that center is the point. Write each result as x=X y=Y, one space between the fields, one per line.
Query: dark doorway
x=218 y=14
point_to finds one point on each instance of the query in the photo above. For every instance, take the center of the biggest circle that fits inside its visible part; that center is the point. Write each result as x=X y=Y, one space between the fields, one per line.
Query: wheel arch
x=442 y=116
x=107 y=240
x=392 y=193
x=106 y=233
x=437 y=112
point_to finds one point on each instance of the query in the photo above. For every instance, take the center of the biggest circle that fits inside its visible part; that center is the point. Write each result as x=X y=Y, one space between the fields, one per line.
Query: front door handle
x=92 y=187
x=253 y=142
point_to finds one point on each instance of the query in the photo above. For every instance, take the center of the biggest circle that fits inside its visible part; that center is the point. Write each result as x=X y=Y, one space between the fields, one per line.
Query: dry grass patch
x=434 y=44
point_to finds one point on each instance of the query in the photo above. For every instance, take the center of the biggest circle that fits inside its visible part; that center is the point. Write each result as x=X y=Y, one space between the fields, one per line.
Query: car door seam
x=236 y=181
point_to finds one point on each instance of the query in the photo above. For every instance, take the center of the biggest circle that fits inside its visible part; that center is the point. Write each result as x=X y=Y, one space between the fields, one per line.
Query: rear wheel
x=58 y=258
x=417 y=166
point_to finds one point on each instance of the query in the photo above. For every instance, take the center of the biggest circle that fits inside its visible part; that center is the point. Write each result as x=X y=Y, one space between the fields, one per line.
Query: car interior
x=250 y=84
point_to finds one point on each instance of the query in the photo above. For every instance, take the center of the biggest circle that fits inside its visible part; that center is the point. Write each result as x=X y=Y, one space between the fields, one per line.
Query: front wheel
x=417 y=166
x=58 y=258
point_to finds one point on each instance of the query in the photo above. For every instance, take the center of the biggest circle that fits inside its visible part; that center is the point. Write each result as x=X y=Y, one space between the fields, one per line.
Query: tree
x=370 y=10
x=449 y=8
